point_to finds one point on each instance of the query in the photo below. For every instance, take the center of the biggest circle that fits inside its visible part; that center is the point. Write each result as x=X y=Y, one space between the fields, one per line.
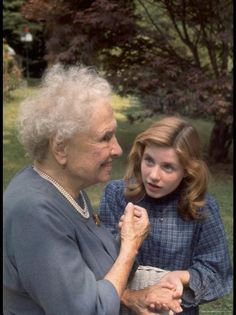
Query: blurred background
x=161 y=56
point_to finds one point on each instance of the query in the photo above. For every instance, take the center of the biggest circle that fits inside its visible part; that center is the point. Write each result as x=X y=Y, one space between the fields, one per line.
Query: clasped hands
x=134 y=227
x=166 y=295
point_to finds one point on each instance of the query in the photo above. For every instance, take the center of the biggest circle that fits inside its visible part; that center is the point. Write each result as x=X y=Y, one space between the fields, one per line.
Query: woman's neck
x=59 y=174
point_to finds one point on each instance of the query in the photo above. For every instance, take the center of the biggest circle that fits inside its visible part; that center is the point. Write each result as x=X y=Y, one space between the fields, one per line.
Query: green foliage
x=14 y=25
x=13 y=20
x=12 y=75
x=175 y=55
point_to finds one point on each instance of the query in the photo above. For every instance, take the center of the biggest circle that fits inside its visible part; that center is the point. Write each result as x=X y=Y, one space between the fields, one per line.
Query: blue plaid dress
x=175 y=244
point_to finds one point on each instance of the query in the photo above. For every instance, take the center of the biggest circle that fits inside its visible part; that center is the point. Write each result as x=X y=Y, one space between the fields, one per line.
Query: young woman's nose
x=155 y=173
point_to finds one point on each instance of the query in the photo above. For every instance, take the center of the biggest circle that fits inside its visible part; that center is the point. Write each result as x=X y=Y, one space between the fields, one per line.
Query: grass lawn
x=221 y=184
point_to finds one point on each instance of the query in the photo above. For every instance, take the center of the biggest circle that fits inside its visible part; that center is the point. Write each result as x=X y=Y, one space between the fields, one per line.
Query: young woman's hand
x=153 y=299
x=179 y=278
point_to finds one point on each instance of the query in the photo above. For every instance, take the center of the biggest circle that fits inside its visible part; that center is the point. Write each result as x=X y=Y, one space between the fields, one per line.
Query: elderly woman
x=57 y=260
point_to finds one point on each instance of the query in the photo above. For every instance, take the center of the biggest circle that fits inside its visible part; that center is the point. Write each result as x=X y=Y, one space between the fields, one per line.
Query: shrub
x=12 y=74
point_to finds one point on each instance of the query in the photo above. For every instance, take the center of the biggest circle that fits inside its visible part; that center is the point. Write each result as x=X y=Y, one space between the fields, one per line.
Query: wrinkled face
x=90 y=155
x=161 y=171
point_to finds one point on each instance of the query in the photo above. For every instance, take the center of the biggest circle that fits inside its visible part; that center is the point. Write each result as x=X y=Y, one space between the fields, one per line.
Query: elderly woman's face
x=90 y=155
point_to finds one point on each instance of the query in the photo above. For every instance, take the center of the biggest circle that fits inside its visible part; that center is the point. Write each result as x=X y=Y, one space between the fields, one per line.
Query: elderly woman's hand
x=153 y=299
x=134 y=226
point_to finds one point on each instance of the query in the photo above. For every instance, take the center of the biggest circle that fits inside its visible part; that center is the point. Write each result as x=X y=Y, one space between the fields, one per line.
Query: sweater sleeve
x=112 y=205
x=53 y=270
x=211 y=271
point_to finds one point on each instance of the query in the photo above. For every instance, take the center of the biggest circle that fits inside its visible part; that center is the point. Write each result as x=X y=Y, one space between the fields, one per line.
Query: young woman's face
x=161 y=171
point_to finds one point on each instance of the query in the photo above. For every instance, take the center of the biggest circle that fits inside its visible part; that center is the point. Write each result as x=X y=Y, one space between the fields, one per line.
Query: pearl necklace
x=84 y=212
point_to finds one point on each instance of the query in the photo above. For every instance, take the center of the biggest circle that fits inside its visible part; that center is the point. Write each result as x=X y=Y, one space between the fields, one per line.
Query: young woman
x=167 y=175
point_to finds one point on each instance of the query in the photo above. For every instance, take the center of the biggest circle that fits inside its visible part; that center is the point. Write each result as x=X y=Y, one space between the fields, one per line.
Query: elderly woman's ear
x=58 y=150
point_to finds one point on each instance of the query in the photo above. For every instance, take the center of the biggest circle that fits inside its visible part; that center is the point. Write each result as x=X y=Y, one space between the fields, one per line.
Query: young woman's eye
x=168 y=167
x=148 y=160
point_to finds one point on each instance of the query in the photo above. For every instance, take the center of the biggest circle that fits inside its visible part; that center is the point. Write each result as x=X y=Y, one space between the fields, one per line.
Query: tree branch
x=168 y=48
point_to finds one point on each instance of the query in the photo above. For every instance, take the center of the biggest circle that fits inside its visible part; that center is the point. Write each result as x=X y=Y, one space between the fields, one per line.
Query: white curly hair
x=62 y=107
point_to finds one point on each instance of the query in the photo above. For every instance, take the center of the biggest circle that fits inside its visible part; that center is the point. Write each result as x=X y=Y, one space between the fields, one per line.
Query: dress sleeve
x=53 y=270
x=211 y=271
x=112 y=205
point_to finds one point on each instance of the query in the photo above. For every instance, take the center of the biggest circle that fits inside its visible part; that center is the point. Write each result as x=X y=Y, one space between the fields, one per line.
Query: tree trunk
x=220 y=142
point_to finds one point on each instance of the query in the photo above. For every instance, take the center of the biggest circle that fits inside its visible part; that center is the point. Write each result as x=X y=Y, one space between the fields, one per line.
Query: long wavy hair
x=172 y=132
